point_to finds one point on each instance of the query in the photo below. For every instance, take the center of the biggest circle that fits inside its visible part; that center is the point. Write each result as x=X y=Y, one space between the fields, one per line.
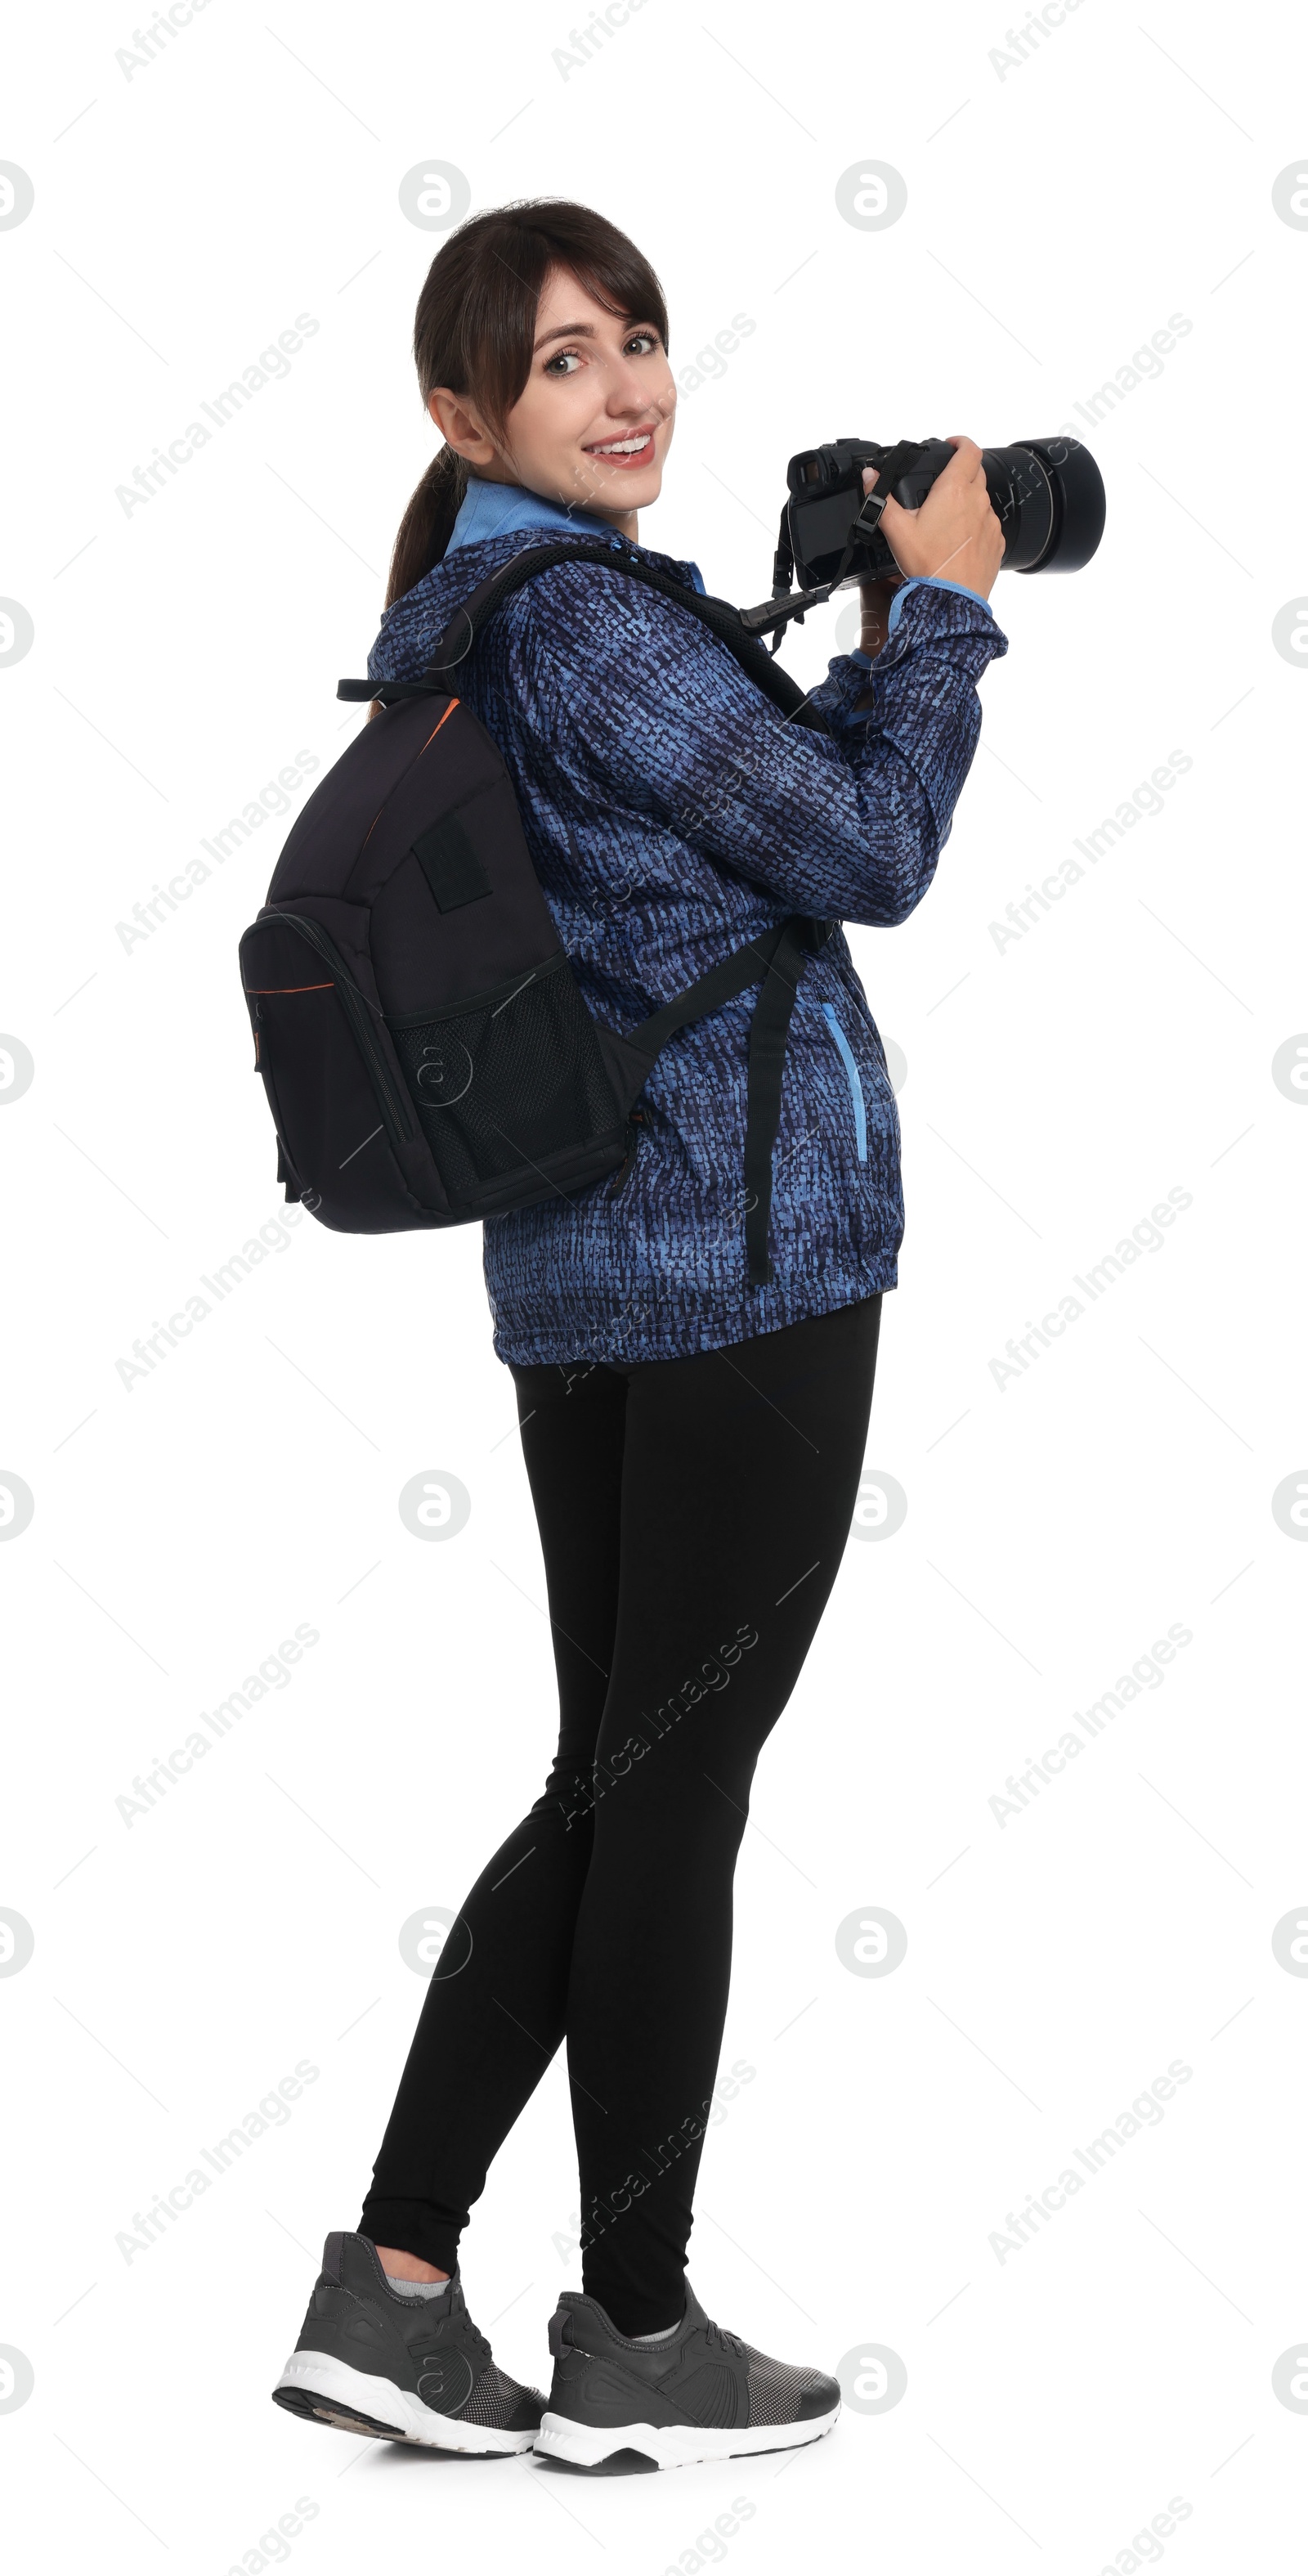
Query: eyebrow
x=583 y=331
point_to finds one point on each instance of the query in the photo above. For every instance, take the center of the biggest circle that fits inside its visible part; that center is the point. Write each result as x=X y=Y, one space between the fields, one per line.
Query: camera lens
x=1049 y=496
x=1022 y=498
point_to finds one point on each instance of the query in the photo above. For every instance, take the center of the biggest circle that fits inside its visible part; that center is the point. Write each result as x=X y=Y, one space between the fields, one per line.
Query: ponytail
x=428 y=523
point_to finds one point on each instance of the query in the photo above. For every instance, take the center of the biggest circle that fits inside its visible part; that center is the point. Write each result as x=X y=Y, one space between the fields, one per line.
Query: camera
x=1047 y=493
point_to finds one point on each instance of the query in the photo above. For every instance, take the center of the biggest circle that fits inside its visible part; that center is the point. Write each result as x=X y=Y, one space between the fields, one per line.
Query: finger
x=965 y=463
x=956 y=477
x=870 y=476
x=893 y=516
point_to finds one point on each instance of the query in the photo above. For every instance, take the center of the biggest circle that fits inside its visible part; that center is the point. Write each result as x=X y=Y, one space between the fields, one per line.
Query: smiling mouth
x=637 y=448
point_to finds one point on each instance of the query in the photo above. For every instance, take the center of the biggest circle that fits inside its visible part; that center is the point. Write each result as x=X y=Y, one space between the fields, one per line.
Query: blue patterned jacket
x=672 y=813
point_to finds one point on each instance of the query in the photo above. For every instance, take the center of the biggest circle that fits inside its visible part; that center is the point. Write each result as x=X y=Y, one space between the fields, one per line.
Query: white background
x=1056 y=1090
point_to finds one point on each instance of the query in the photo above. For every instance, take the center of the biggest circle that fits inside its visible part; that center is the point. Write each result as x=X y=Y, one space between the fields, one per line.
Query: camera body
x=1047 y=494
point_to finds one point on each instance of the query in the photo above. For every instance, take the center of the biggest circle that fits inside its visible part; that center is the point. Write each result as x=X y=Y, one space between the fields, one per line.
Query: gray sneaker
x=702 y=2395
x=405 y=2370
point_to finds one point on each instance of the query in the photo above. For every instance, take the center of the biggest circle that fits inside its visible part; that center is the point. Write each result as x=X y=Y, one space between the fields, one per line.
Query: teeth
x=623 y=446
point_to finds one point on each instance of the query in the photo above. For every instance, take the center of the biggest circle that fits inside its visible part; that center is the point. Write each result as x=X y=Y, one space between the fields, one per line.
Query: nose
x=629 y=396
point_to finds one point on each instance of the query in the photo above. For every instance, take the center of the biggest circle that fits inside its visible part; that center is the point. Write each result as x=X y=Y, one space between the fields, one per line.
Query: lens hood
x=1080 y=503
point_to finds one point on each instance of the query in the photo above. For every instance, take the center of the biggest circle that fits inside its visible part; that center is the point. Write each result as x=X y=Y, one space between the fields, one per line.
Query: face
x=594 y=420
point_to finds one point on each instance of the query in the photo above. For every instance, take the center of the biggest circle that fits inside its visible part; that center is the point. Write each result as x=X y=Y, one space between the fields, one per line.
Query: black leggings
x=692 y=1515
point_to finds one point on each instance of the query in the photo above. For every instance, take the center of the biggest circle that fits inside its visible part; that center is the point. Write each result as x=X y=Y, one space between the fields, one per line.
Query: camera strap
x=778 y=611
x=896 y=461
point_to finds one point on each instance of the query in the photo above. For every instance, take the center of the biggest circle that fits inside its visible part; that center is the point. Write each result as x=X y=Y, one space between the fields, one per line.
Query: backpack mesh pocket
x=509 y=1084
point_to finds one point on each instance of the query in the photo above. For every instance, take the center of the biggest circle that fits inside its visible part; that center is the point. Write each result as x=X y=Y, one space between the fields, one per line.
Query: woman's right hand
x=955 y=534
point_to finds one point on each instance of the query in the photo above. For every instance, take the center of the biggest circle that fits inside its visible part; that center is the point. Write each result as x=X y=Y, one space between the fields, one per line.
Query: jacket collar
x=496 y=509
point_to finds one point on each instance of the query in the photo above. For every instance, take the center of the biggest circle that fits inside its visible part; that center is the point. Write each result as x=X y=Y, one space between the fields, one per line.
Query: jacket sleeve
x=640 y=696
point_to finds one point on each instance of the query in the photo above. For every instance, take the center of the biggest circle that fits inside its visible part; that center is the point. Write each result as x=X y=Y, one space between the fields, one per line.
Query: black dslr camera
x=1047 y=493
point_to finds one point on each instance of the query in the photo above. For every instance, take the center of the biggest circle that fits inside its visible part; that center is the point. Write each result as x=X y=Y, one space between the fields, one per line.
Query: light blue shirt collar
x=492 y=509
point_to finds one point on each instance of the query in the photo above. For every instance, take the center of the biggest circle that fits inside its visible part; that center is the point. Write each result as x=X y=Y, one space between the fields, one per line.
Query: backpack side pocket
x=344 y=1128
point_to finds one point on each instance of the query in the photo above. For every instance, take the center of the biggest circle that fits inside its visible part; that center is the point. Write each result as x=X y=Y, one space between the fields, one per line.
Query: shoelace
x=733 y=2342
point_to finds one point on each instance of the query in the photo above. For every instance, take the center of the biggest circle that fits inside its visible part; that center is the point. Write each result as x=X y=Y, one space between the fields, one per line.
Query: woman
x=693 y=1441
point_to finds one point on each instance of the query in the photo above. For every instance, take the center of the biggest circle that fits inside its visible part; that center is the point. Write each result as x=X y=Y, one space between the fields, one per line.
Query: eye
x=565 y=361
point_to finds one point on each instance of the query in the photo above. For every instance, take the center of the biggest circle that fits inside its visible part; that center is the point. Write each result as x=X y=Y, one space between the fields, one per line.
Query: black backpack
x=427 y=1055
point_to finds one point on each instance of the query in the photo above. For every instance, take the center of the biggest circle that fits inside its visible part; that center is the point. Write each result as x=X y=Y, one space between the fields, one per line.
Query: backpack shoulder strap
x=718 y=615
x=776 y=958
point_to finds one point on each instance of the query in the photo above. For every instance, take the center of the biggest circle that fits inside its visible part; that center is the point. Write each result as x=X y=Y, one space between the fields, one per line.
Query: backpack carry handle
x=386 y=692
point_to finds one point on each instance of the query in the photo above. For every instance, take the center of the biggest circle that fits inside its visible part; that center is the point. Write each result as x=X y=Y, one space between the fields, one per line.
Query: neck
x=623 y=520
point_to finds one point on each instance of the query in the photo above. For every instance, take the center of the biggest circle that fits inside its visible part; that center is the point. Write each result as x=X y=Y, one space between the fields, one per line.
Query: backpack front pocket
x=511 y=1087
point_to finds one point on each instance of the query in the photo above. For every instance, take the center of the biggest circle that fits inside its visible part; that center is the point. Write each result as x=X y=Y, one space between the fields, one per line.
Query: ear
x=460 y=427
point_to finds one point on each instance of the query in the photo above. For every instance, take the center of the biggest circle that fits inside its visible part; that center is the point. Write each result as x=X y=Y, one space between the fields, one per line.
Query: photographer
x=693 y=1437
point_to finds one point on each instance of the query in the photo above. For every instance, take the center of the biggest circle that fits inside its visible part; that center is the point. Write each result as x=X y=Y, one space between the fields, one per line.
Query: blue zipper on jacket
x=855 y=1085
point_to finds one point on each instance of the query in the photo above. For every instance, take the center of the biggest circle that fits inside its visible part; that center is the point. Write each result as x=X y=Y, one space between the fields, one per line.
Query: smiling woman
x=693 y=1411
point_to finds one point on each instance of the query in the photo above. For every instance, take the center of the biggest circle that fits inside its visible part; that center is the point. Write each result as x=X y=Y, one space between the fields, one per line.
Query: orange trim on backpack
x=418 y=755
x=436 y=727
x=290 y=988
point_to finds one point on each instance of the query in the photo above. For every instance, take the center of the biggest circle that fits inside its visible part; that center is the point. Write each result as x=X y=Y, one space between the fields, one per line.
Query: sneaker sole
x=670 y=2446
x=327 y=2391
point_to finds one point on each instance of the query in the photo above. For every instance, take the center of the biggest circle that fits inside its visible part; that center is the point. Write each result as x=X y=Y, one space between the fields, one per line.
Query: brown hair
x=475 y=326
